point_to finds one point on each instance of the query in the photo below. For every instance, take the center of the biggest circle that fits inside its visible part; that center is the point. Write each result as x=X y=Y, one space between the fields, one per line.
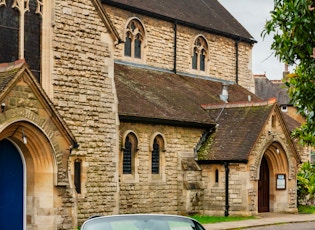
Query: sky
x=252 y=14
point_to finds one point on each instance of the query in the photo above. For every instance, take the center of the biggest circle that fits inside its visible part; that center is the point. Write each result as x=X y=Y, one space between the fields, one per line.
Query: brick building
x=134 y=106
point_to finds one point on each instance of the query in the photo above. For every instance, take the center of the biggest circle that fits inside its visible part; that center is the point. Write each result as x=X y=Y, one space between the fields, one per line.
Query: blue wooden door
x=11 y=187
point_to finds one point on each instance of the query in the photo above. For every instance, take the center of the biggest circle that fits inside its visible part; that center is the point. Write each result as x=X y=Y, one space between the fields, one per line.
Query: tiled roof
x=236 y=133
x=207 y=15
x=8 y=71
x=146 y=93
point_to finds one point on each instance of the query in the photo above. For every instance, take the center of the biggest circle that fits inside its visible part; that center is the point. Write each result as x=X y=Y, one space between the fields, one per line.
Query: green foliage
x=306 y=183
x=306 y=209
x=292 y=26
x=216 y=219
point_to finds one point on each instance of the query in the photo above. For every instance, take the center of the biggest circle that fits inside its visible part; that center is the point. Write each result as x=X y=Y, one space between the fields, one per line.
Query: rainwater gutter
x=159 y=121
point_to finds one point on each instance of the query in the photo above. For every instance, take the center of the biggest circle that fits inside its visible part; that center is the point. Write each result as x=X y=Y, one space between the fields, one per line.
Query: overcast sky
x=252 y=14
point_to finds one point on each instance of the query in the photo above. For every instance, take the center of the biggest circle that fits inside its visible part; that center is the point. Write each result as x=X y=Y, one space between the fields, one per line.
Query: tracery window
x=21 y=19
x=129 y=150
x=134 y=39
x=200 y=53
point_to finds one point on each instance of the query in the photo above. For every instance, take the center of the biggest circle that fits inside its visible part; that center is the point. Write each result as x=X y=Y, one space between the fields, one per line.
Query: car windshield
x=141 y=222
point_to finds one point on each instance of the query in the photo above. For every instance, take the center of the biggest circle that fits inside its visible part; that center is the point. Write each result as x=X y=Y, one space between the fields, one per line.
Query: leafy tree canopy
x=292 y=26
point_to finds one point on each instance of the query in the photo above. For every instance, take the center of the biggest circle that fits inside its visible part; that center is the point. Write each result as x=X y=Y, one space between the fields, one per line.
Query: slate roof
x=239 y=126
x=166 y=96
x=265 y=89
x=207 y=15
x=290 y=122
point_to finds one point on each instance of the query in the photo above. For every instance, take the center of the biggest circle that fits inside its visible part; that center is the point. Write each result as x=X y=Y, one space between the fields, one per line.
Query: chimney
x=224 y=94
x=286 y=70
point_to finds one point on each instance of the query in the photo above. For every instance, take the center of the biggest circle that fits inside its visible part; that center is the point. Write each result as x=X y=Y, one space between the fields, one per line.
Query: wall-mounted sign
x=280 y=180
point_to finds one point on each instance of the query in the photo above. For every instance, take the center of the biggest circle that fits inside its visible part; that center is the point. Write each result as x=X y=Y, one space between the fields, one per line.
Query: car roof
x=139 y=215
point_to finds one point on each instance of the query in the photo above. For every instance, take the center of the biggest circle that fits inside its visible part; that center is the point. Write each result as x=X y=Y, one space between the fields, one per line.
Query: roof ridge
x=11 y=65
x=270 y=101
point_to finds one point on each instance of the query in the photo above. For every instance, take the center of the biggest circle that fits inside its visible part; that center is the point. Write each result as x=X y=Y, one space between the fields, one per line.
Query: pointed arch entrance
x=12 y=187
x=28 y=176
x=273 y=162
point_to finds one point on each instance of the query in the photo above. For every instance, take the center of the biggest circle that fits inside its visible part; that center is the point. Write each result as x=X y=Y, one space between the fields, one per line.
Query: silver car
x=142 y=222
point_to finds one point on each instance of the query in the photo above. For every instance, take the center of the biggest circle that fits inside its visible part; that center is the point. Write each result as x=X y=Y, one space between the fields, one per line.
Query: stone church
x=115 y=106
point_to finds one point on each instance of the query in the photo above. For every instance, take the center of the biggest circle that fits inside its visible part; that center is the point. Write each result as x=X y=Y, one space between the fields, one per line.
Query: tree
x=292 y=26
x=306 y=183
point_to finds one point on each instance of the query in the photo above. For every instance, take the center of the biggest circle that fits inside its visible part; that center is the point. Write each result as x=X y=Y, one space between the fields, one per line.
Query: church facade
x=112 y=107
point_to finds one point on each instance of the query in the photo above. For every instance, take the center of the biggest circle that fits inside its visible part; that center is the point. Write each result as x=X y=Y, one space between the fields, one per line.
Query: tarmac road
x=292 y=226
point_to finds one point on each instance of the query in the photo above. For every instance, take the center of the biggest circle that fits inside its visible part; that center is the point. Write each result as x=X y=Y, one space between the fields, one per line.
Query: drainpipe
x=236 y=61
x=227 y=170
x=175 y=46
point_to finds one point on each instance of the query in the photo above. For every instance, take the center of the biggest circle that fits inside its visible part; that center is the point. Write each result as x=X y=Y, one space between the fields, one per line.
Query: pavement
x=263 y=219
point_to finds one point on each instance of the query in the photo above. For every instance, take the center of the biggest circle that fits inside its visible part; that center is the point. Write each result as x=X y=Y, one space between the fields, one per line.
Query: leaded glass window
x=134 y=39
x=199 y=55
x=194 y=59
x=156 y=157
x=29 y=30
x=127 y=157
x=128 y=45
x=138 y=46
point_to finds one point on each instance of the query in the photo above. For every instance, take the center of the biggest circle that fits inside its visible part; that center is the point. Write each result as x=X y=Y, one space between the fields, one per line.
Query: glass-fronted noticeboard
x=281 y=182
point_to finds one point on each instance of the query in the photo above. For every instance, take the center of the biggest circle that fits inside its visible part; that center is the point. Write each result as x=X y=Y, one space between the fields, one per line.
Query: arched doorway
x=263 y=187
x=11 y=189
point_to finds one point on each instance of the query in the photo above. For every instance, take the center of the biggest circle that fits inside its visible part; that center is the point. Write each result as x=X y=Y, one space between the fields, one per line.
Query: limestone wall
x=159 y=49
x=176 y=190
x=214 y=194
x=83 y=93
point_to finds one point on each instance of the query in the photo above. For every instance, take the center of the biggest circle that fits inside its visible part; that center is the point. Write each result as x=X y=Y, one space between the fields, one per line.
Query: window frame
x=199 y=55
x=135 y=31
x=133 y=140
x=160 y=140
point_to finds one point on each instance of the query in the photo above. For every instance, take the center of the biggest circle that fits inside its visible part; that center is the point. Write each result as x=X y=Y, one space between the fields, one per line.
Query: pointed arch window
x=129 y=151
x=21 y=19
x=200 y=52
x=156 y=157
x=134 y=39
